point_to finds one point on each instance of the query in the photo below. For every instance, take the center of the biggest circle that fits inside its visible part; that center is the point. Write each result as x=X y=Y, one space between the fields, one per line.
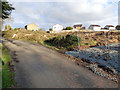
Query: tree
x=5 y=11
x=8 y=27
x=68 y=28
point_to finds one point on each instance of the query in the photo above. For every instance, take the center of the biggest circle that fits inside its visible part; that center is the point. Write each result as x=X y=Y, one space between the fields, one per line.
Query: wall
x=57 y=28
x=78 y=28
x=32 y=27
x=96 y=28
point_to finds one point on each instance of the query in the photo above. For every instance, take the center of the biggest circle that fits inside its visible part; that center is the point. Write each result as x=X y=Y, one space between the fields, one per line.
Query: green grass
x=7 y=73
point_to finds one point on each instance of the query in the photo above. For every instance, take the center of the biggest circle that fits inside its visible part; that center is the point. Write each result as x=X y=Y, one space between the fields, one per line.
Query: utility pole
x=78 y=42
x=105 y=39
x=106 y=34
x=108 y=39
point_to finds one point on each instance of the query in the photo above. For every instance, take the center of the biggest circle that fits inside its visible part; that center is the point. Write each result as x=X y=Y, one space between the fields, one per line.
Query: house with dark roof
x=118 y=27
x=109 y=27
x=94 y=27
x=78 y=26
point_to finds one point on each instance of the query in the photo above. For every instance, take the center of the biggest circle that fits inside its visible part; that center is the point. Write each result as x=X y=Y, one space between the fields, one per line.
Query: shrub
x=68 y=28
x=16 y=29
x=50 y=29
x=60 y=42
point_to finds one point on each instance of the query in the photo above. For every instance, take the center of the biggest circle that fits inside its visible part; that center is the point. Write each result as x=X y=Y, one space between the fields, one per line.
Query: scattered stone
x=70 y=56
x=28 y=34
x=14 y=35
x=85 y=60
x=99 y=60
x=91 y=56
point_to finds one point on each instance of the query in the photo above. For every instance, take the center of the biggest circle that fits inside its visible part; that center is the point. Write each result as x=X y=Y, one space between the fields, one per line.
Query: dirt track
x=40 y=67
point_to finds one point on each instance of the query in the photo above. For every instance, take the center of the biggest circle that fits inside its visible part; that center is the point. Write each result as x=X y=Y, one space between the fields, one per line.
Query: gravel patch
x=103 y=59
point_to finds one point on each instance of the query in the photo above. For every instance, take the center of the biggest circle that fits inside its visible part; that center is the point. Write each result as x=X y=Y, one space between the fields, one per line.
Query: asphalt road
x=40 y=67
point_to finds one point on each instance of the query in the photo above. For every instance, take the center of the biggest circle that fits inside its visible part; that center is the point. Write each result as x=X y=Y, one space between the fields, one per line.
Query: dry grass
x=89 y=38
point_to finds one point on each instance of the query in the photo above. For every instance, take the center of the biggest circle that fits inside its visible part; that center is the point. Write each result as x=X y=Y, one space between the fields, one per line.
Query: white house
x=57 y=28
x=94 y=27
x=109 y=27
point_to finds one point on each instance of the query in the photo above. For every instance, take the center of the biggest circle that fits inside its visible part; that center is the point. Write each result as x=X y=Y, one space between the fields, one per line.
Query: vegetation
x=6 y=9
x=16 y=29
x=41 y=29
x=68 y=28
x=8 y=27
x=50 y=29
x=7 y=73
x=63 y=42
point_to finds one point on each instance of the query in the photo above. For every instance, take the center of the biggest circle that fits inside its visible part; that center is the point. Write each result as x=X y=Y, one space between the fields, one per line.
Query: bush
x=68 y=28
x=16 y=29
x=50 y=29
x=60 y=42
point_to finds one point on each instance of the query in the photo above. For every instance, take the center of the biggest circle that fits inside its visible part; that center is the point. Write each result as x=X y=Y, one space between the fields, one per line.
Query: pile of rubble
x=101 y=60
x=99 y=71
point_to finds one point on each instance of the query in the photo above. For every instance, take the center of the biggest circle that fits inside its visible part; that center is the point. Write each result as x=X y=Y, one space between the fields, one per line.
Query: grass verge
x=7 y=73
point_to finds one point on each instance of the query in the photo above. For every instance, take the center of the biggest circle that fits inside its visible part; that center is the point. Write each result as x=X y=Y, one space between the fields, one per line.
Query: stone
x=70 y=56
x=91 y=56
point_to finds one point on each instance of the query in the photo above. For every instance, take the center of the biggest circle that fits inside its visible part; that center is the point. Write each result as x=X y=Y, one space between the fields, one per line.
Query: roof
x=57 y=24
x=95 y=25
x=78 y=25
x=109 y=26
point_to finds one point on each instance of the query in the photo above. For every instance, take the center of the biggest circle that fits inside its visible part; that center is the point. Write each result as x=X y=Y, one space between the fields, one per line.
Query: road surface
x=40 y=67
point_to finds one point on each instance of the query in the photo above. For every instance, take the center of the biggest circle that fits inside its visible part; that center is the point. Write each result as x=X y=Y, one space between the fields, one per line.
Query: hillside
x=63 y=41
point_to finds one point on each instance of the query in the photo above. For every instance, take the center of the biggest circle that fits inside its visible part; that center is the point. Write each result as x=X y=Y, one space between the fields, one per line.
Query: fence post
x=108 y=39
x=105 y=39
x=78 y=42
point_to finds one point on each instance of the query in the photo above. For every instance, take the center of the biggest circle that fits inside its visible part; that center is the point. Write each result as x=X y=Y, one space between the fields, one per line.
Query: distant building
x=57 y=28
x=83 y=28
x=109 y=27
x=118 y=27
x=31 y=26
x=78 y=27
x=95 y=27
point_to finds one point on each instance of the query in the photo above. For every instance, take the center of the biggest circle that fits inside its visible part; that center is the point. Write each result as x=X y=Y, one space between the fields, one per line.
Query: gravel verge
x=102 y=61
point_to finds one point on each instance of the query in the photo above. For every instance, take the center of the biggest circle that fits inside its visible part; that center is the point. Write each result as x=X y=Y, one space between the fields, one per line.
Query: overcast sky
x=46 y=13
